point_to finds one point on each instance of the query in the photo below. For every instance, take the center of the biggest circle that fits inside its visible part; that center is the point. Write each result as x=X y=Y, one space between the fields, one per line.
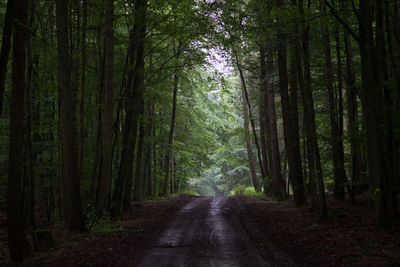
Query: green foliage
x=245 y=191
x=105 y=225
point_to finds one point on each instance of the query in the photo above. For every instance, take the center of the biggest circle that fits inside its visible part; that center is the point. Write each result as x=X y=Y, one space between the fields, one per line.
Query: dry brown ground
x=348 y=238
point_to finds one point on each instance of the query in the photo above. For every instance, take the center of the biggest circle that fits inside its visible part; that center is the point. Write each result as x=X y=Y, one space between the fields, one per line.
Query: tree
x=250 y=154
x=103 y=197
x=336 y=142
x=5 y=48
x=171 y=133
x=17 y=241
x=69 y=156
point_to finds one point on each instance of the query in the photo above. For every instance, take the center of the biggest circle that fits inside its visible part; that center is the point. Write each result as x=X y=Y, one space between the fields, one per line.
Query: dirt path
x=206 y=232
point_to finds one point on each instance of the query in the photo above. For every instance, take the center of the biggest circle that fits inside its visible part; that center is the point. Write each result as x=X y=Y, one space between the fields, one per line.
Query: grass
x=245 y=191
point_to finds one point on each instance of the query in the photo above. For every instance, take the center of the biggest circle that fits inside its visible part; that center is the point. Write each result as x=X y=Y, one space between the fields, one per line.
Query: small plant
x=245 y=191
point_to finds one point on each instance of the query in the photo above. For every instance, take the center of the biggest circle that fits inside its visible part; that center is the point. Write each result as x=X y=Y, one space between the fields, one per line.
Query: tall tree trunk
x=338 y=161
x=171 y=133
x=137 y=89
x=68 y=129
x=246 y=95
x=316 y=178
x=29 y=99
x=293 y=147
x=391 y=25
x=277 y=183
x=263 y=115
x=250 y=155
x=148 y=183
x=286 y=114
x=5 y=48
x=139 y=156
x=19 y=246
x=135 y=85
x=83 y=86
x=373 y=103
x=128 y=135
x=103 y=198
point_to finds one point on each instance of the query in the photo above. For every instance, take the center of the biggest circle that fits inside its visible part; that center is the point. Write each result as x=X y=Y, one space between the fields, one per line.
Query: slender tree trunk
x=139 y=156
x=373 y=103
x=83 y=86
x=246 y=95
x=5 y=48
x=276 y=182
x=128 y=135
x=148 y=183
x=29 y=147
x=317 y=183
x=338 y=161
x=391 y=25
x=103 y=198
x=135 y=85
x=286 y=114
x=263 y=114
x=68 y=129
x=171 y=133
x=138 y=90
x=250 y=155
x=173 y=182
x=19 y=246
x=293 y=146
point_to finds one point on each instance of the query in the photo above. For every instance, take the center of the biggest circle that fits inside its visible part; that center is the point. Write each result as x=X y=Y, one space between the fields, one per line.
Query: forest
x=105 y=104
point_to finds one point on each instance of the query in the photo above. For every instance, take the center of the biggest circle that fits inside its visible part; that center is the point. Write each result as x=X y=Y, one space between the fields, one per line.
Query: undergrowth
x=245 y=191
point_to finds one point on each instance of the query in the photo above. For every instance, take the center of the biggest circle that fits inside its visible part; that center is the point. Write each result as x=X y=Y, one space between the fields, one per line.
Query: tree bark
x=83 y=86
x=338 y=161
x=250 y=155
x=316 y=178
x=103 y=198
x=277 y=183
x=263 y=115
x=171 y=133
x=135 y=90
x=18 y=243
x=293 y=146
x=5 y=47
x=246 y=95
x=68 y=129
x=284 y=91
x=373 y=103
x=139 y=156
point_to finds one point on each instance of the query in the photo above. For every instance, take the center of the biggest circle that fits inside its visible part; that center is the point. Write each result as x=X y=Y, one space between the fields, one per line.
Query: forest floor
x=285 y=235
x=348 y=238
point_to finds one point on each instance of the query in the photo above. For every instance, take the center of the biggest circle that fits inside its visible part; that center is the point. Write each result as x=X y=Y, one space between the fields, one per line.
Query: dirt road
x=206 y=232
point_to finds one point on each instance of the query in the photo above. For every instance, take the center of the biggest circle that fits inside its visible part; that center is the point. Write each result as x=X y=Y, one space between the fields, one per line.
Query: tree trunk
x=250 y=155
x=246 y=95
x=171 y=133
x=103 y=197
x=18 y=243
x=373 y=103
x=135 y=85
x=277 y=183
x=68 y=129
x=293 y=145
x=286 y=114
x=338 y=161
x=263 y=115
x=83 y=86
x=5 y=48
x=139 y=156
x=316 y=178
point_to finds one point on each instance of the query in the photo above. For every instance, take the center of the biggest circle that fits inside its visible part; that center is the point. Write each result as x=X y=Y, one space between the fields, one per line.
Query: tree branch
x=344 y=24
